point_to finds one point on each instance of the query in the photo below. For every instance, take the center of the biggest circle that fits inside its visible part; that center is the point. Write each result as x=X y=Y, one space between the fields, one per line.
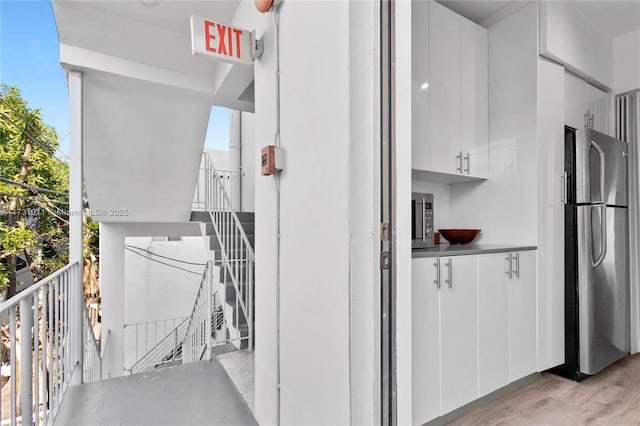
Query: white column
x=75 y=215
x=235 y=147
x=112 y=295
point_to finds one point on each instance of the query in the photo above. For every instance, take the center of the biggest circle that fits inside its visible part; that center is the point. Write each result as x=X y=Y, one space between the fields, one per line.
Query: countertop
x=462 y=249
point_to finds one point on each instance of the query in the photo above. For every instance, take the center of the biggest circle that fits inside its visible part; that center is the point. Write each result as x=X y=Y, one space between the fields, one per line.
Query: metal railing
x=238 y=257
x=229 y=179
x=145 y=336
x=42 y=333
x=167 y=350
x=92 y=365
x=197 y=342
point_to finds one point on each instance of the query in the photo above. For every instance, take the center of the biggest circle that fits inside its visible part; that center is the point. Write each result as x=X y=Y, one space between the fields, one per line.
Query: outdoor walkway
x=192 y=394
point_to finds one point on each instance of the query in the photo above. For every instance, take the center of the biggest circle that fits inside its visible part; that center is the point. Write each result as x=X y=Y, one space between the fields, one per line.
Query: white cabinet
x=450 y=94
x=493 y=323
x=474 y=112
x=444 y=89
x=425 y=336
x=444 y=335
x=507 y=345
x=586 y=105
x=522 y=315
x=458 y=324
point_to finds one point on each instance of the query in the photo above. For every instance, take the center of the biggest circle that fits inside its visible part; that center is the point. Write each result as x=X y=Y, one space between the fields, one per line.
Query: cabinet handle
x=509 y=271
x=436 y=264
x=517 y=270
x=468 y=168
x=449 y=266
x=459 y=162
x=591 y=121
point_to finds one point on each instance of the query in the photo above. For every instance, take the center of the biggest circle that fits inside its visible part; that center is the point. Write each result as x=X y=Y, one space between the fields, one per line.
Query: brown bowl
x=459 y=236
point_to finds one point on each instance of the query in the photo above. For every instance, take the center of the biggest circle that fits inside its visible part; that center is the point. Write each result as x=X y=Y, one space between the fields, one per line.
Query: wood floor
x=611 y=397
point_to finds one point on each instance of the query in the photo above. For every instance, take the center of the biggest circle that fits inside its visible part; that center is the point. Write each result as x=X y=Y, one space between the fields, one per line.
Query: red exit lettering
x=228 y=39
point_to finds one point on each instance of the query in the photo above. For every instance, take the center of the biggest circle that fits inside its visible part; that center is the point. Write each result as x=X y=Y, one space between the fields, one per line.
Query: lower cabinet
x=474 y=328
x=507 y=346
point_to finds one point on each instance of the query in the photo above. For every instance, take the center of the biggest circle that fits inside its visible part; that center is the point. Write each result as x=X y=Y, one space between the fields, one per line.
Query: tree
x=33 y=192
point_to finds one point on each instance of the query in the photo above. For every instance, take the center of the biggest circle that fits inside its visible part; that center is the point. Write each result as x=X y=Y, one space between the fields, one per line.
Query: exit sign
x=222 y=41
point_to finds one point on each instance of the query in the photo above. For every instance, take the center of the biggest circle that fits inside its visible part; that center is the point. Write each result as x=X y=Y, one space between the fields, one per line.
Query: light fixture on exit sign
x=227 y=43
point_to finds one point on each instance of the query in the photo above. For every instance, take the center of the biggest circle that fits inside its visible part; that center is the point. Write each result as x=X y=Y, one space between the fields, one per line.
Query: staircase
x=237 y=330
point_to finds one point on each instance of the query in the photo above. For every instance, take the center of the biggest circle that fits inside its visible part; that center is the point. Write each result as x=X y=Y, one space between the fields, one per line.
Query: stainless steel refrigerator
x=597 y=304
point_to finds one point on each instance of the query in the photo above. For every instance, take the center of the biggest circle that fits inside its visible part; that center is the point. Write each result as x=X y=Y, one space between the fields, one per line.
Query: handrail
x=238 y=256
x=35 y=287
x=92 y=365
x=164 y=351
x=198 y=336
x=46 y=317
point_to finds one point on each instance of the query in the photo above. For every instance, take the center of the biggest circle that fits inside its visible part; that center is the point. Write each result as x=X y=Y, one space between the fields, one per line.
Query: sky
x=29 y=60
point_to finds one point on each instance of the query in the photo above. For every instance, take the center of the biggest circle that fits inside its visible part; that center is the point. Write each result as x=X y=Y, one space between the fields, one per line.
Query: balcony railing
x=44 y=336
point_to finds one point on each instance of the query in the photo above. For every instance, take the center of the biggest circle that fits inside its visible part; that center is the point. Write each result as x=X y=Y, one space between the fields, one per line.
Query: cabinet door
x=474 y=131
x=598 y=103
x=444 y=85
x=522 y=316
x=459 y=328
x=493 y=322
x=421 y=156
x=574 y=101
x=425 y=335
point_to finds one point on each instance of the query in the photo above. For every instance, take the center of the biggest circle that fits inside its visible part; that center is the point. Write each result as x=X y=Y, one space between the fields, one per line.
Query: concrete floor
x=192 y=394
x=240 y=366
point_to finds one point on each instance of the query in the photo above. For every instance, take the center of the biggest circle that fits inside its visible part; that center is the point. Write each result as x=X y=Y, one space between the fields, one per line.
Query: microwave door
x=418 y=219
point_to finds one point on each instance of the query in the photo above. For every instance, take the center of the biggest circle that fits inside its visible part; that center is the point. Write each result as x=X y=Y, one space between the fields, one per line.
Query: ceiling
x=610 y=17
x=146 y=100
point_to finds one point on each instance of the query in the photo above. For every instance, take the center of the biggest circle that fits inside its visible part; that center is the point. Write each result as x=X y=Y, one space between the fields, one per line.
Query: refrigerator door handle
x=602 y=171
x=603 y=236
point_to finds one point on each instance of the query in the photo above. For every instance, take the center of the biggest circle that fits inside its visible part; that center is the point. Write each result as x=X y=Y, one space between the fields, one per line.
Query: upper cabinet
x=586 y=105
x=450 y=97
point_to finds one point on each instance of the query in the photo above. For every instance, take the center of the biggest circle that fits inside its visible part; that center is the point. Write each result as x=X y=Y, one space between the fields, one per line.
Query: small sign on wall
x=227 y=43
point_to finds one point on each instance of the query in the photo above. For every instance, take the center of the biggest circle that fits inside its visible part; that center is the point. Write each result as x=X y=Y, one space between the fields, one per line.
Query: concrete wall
x=306 y=345
x=250 y=157
x=156 y=292
x=112 y=282
x=626 y=62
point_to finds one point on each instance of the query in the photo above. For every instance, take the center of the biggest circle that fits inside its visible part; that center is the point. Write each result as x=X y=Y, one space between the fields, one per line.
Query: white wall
x=626 y=62
x=154 y=291
x=505 y=205
x=250 y=157
x=316 y=263
x=220 y=158
x=566 y=37
x=112 y=282
x=403 y=126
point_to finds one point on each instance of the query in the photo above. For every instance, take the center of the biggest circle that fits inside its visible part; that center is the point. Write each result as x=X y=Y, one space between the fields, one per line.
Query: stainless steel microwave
x=421 y=220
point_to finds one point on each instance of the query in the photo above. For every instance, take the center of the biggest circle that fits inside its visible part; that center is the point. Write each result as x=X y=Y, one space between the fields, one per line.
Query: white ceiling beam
x=77 y=58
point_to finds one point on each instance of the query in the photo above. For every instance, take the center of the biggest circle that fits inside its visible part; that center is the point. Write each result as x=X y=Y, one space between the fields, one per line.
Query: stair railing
x=197 y=341
x=92 y=365
x=48 y=332
x=167 y=350
x=238 y=257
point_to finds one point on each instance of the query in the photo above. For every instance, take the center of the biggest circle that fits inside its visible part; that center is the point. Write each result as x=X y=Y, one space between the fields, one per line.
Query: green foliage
x=33 y=222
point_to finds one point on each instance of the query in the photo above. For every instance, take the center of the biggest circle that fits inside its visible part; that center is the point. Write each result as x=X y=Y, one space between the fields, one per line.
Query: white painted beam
x=77 y=58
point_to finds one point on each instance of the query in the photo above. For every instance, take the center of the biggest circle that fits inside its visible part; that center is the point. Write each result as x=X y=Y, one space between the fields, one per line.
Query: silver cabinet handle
x=468 y=168
x=591 y=121
x=509 y=271
x=517 y=270
x=449 y=265
x=436 y=264
x=459 y=162
x=564 y=189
